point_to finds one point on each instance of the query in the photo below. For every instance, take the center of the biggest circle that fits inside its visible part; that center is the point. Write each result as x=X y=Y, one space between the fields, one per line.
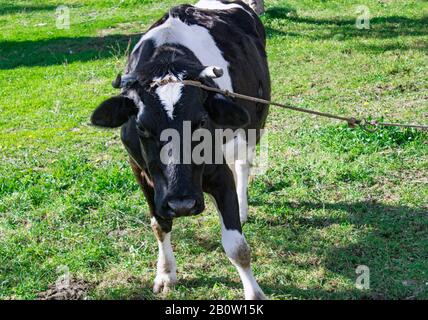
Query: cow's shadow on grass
x=62 y=50
x=389 y=240
x=344 y=28
x=67 y=50
x=11 y=8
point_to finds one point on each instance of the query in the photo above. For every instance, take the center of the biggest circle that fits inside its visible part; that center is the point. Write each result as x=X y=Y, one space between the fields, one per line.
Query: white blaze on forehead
x=169 y=94
x=197 y=39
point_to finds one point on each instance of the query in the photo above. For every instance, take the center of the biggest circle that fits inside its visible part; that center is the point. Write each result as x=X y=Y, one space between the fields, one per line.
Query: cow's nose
x=183 y=206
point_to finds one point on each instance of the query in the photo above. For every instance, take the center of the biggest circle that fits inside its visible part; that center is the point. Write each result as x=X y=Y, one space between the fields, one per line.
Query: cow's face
x=162 y=106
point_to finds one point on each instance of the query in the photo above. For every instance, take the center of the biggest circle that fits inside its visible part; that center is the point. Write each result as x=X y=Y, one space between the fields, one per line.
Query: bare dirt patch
x=75 y=290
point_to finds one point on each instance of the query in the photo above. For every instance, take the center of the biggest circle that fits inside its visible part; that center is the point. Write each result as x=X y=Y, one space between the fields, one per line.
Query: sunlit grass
x=332 y=199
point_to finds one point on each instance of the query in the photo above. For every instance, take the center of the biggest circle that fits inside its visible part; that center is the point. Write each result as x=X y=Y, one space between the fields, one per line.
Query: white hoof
x=258 y=295
x=164 y=282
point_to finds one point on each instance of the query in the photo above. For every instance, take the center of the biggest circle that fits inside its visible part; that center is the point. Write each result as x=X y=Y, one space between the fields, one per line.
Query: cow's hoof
x=163 y=283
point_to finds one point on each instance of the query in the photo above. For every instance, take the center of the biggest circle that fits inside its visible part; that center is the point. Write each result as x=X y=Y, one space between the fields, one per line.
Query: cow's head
x=159 y=103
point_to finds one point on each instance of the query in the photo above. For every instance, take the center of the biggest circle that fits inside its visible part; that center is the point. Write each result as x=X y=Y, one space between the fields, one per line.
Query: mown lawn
x=332 y=199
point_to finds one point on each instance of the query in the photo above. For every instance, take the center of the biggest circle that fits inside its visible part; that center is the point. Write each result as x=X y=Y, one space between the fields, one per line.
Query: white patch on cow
x=242 y=174
x=197 y=39
x=133 y=95
x=169 y=93
x=252 y=290
x=166 y=274
x=233 y=242
x=241 y=169
x=218 y=5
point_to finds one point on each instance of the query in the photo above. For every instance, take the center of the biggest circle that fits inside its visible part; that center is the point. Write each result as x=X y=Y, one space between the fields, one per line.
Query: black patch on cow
x=226 y=113
x=241 y=38
x=140 y=55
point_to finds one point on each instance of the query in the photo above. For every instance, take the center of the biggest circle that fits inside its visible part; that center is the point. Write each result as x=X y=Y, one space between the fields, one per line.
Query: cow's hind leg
x=166 y=275
x=239 y=157
x=241 y=174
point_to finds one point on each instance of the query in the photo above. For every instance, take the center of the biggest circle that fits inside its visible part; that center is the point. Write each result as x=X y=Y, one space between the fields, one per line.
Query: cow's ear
x=226 y=113
x=114 y=112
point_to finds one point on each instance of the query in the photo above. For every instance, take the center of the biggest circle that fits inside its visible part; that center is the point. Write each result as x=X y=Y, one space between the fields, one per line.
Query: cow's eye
x=203 y=122
x=143 y=132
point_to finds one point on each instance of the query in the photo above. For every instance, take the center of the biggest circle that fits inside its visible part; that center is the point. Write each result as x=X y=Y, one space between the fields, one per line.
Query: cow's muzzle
x=182 y=207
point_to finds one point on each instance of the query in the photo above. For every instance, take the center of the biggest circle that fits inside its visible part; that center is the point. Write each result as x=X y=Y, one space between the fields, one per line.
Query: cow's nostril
x=182 y=206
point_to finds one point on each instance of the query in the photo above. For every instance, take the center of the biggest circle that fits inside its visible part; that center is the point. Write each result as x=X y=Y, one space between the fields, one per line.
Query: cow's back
x=225 y=34
x=240 y=36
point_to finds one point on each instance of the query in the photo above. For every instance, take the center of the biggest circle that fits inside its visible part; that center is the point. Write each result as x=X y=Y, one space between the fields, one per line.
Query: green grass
x=332 y=199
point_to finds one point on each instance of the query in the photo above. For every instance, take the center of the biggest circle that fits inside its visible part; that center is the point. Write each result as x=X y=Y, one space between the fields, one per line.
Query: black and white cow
x=221 y=44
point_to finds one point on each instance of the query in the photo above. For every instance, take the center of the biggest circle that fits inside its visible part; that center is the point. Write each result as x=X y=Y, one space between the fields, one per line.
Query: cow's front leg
x=166 y=266
x=233 y=240
x=239 y=254
x=166 y=275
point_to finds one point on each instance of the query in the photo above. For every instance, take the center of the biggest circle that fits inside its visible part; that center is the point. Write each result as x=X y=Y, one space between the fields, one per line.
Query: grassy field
x=332 y=199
